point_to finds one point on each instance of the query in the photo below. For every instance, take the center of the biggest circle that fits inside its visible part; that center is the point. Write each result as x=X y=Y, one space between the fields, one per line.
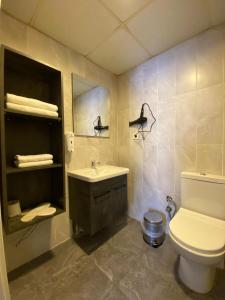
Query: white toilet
x=198 y=229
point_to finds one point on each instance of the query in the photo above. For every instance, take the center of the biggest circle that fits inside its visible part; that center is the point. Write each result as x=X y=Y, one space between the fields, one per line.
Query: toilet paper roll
x=14 y=208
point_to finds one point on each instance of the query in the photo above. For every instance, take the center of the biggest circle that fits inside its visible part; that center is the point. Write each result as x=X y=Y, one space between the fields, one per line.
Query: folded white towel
x=33 y=110
x=11 y=98
x=33 y=158
x=33 y=163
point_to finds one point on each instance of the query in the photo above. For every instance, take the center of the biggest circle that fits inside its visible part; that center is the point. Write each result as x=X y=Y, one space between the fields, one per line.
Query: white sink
x=99 y=173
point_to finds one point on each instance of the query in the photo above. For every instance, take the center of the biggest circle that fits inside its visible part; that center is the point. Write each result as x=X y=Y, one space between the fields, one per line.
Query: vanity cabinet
x=97 y=205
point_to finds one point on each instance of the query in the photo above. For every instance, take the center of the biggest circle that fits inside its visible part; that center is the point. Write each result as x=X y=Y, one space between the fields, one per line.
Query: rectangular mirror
x=91 y=108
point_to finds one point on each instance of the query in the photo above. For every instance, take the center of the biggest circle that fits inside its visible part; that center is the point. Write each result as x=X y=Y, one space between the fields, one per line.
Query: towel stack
x=23 y=161
x=37 y=107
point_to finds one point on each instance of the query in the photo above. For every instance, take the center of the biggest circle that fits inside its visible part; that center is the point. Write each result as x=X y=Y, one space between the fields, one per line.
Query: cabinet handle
x=119 y=187
x=100 y=197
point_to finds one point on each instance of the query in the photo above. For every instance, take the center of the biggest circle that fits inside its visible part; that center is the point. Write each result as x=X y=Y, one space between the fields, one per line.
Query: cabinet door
x=120 y=201
x=101 y=211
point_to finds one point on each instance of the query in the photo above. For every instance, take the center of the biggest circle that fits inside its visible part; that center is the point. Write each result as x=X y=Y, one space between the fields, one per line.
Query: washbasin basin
x=99 y=173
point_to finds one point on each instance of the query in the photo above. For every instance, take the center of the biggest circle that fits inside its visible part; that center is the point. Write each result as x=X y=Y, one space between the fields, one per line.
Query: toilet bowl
x=199 y=238
x=200 y=242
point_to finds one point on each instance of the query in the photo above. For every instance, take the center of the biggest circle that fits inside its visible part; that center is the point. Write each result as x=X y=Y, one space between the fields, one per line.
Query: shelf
x=26 y=132
x=13 y=170
x=25 y=115
x=15 y=224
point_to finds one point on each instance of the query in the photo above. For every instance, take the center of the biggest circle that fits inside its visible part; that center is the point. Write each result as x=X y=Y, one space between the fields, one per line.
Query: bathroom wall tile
x=106 y=152
x=186 y=66
x=224 y=114
x=150 y=176
x=209 y=59
x=166 y=74
x=67 y=107
x=150 y=170
x=221 y=30
x=185 y=160
x=92 y=71
x=135 y=74
x=150 y=87
x=123 y=127
x=166 y=124
x=123 y=156
x=135 y=93
x=136 y=154
x=210 y=115
x=223 y=166
x=209 y=159
x=166 y=169
x=123 y=88
x=37 y=43
x=13 y=33
x=29 y=248
x=224 y=55
x=76 y=63
x=136 y=178
x=220 y=27
x=186 y=120
x=150 y=200
x=181 y=111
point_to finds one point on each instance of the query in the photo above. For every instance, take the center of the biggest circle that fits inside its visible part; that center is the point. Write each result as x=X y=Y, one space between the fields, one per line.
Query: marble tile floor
x=125 y=267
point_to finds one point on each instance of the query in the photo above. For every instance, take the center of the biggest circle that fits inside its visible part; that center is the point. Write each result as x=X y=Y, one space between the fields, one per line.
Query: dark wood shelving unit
x=14 y=114
x=12 y=170
x=16 y=224
x=26 y=133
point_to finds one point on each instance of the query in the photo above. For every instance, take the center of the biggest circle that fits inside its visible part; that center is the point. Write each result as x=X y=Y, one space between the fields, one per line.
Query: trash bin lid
x=154 y=217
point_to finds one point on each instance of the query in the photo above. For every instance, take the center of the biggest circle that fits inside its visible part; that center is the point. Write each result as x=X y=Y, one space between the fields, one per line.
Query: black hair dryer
x=141 y=120
x=99 y=126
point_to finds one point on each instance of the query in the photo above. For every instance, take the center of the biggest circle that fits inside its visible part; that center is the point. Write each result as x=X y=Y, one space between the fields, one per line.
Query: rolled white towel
x=33 y=110
x=33 y=158
x=11 y=98
x=33 y=163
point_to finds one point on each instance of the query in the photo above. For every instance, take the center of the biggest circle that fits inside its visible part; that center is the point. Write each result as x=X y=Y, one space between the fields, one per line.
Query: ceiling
x=118 y=34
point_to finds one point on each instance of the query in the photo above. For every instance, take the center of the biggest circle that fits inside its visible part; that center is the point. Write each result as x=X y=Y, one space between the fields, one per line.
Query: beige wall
x=4 y=288
x=29 y=41
x=185 y=88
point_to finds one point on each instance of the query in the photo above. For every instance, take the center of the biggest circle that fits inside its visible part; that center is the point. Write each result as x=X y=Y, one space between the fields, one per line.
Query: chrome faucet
x=94 y=164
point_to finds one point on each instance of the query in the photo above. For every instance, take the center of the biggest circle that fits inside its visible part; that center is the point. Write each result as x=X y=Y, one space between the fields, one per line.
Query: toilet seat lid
x=198 y=232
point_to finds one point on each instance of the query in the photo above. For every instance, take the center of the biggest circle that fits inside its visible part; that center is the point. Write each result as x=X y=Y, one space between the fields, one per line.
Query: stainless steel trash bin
x=153 y=226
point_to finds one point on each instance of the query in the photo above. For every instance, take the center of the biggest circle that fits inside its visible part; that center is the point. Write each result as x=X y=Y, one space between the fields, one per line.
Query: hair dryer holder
x=142 y=120
x=139 y=121
x=99 y=127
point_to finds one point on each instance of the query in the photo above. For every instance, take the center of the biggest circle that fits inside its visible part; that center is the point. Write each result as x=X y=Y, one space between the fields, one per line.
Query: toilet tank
x=203 y=193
